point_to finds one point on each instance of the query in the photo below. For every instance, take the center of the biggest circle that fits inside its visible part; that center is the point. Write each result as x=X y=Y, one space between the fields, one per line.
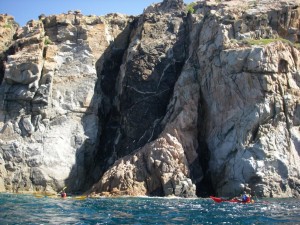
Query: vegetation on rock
x=190 y=7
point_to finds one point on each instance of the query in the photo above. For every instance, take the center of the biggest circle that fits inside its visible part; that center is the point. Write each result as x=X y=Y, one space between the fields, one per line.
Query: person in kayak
x=63 y=193
x=246 y=198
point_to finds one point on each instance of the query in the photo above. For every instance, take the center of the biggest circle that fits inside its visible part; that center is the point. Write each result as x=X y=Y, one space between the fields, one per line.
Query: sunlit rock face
x=233 y=109
x=49 y=107
x=167 y=103
x=8 y=29
x=250 y=96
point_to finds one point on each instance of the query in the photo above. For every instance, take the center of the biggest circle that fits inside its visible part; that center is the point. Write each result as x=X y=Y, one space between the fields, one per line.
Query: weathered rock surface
x=8 y=28
x=49 y=109
x=161 y=167
x=166 y=103
x=144 y=85
x=251 y=96
x=232 y=91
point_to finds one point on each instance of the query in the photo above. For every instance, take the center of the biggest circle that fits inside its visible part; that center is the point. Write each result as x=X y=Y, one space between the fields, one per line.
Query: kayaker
x=63 y=194
x=246 y=198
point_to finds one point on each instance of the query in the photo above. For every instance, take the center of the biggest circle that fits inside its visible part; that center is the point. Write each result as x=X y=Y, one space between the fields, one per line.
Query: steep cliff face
x=145 y=82
x=251 y=98
x=49 y=121
x=167 y=103
x=231 y=122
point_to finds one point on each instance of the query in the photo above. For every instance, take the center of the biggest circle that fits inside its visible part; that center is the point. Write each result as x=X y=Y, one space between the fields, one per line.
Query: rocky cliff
x=181 y=100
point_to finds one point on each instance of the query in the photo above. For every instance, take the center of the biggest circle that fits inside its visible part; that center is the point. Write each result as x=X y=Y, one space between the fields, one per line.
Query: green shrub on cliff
x=8 y=25
x=190 y=8
x=265 y=41
x=47 y=41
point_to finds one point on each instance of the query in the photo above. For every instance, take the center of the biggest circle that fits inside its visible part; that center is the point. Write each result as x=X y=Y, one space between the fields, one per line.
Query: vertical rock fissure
x=286 y=114
x=204 y=187
x=202 y=179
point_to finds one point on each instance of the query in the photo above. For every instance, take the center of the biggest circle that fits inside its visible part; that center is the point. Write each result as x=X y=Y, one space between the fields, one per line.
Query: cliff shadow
x=134 y=118
x=83 y=173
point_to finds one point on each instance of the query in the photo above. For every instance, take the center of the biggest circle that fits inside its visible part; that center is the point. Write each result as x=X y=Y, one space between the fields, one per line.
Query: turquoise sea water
x=27 y=209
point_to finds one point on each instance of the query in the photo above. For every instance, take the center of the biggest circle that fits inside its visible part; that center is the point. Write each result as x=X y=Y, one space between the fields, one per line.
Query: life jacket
x=246 y=199
x=63 y=194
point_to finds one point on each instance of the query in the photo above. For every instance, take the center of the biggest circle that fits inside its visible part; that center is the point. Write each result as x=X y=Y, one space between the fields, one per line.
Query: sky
x=25 y=10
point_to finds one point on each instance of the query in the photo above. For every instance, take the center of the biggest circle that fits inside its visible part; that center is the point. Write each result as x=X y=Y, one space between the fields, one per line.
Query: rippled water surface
x=27 y=209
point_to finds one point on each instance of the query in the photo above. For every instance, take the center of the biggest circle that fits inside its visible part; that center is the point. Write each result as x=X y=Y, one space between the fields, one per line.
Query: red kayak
x=219 y=200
